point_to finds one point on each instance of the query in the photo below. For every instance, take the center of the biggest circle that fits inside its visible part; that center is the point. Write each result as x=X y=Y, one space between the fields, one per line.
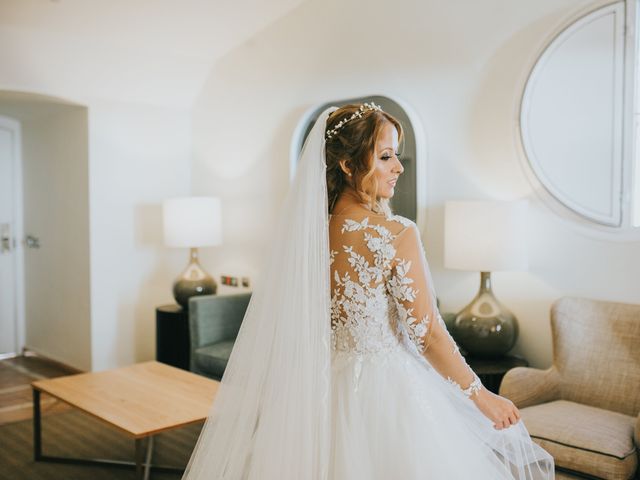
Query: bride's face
x=387 y=164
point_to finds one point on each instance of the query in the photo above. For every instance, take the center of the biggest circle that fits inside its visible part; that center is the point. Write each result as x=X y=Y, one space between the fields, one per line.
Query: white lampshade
x=192 y=222
x=485 y=236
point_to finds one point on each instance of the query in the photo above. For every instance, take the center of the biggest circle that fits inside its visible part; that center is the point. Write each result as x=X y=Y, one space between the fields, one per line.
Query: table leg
x=37 y=426
x=142 y=462
x=138 y=457
x=143 y=459
x=147 y=463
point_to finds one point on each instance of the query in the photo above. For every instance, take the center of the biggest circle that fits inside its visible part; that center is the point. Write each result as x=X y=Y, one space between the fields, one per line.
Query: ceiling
x=156 y=51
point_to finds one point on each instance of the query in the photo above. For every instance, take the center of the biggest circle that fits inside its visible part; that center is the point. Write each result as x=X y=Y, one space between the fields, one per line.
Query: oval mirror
x=571 y=116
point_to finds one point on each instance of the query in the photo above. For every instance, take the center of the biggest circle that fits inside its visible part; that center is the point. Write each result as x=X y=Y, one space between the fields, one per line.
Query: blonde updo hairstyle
x=355 y=144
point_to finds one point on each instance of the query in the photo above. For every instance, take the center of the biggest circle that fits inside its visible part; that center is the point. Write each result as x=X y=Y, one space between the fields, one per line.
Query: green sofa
x=214 y=322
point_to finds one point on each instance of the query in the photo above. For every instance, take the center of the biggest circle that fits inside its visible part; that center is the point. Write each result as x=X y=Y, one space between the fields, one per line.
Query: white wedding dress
x=394 y=416
x=338 y=370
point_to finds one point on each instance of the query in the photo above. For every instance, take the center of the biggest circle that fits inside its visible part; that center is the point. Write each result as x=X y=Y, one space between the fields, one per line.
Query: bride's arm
x=409 y=285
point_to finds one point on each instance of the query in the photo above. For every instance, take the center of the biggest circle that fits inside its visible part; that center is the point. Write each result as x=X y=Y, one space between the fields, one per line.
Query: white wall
x=56 y=210
x=139 y=155
x=462 y=66
x=93 y=287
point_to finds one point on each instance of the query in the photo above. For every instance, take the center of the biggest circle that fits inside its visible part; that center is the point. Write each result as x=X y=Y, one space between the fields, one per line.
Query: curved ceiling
x=149 y=51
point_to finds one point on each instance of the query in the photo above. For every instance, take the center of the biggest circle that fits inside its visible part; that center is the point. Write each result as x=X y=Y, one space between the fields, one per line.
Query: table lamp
x=485 y=236
x=192 y=222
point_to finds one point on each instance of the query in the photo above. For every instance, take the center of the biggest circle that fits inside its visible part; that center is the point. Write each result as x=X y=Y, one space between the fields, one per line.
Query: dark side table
x=491 y=370
x=172 y=336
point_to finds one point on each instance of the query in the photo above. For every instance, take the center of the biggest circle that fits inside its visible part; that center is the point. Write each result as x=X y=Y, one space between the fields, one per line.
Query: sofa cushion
x=213 y=358
x=583 y=438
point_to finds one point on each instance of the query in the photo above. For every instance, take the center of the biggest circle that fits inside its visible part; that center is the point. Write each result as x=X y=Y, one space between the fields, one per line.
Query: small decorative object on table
x=485 y=236
x=192 y=222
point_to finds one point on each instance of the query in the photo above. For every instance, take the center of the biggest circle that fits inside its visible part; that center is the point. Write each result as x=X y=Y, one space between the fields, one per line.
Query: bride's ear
x=344 y=168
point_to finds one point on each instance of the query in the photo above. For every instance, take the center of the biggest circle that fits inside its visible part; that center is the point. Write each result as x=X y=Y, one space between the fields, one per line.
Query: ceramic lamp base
x=193 y=281
x=485 y=328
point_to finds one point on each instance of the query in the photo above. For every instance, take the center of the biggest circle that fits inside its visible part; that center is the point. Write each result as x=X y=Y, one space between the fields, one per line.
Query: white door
x=9 y=145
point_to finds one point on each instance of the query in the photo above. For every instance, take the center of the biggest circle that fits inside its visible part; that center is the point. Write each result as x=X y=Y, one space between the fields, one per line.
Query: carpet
x=74 y=433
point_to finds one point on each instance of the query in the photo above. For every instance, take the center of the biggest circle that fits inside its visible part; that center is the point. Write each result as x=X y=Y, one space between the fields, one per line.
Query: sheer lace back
x=364 y=312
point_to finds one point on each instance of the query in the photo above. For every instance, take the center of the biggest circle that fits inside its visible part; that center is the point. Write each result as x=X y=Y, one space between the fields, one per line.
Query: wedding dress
x=394 y=416
x=326 y=380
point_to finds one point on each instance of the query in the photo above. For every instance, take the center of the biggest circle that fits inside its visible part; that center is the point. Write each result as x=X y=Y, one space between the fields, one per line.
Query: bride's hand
x=501 y=411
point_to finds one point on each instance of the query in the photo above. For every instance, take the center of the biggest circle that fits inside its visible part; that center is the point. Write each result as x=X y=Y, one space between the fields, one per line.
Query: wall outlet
x=234 y=281
x=229 y=280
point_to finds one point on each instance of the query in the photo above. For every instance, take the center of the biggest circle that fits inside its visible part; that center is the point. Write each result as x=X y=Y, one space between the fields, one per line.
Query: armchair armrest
x=526 y=386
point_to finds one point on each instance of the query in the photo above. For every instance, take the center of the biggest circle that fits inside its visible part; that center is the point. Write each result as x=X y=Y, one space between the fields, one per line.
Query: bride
x=343 y=368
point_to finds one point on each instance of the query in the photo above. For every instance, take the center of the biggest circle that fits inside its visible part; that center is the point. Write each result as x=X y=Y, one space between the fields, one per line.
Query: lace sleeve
x=409 y=285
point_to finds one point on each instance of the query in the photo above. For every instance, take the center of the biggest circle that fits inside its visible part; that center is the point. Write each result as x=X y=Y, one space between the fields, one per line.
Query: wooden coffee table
x=141 y=400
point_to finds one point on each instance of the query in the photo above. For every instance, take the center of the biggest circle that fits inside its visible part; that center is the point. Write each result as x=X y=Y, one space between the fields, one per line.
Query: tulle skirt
x=395 y=417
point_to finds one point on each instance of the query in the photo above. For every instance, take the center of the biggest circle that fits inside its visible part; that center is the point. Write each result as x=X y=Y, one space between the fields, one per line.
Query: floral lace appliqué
x=360 y=308
x=367 y=311
x=403 y=220
x=401 y=290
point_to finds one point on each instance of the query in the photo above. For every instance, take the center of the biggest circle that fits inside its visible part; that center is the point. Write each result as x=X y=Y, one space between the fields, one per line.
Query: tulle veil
x=271 y=417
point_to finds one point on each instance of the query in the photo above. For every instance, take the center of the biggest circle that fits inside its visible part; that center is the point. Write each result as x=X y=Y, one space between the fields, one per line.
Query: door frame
x=18 y=233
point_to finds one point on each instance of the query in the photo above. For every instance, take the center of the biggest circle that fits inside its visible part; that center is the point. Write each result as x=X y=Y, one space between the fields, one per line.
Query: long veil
x=270 y=419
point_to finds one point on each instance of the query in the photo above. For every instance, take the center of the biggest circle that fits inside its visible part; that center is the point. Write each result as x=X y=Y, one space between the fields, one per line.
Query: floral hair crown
x=363 y=108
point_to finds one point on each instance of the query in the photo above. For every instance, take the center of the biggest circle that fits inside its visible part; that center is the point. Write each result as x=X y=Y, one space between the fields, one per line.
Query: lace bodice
x=380 y=296
x=364 y=313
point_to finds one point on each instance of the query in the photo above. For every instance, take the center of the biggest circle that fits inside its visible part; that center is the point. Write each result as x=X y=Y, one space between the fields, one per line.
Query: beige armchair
x=584 y=408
